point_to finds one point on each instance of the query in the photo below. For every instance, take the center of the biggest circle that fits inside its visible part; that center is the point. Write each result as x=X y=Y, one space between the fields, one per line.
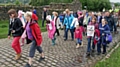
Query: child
x=104 y=30
x=16 y=28
x=78 y=35
x=51 y=29
x=22 y=18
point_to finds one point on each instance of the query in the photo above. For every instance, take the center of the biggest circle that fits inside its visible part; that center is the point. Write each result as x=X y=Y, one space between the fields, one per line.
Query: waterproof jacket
x=16 y=25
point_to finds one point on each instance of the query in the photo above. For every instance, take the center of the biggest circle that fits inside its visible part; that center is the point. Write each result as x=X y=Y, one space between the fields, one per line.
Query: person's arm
x=65 y=21
x=18 y=21
x=9 y=30
x=107 y=30
x=37 y=31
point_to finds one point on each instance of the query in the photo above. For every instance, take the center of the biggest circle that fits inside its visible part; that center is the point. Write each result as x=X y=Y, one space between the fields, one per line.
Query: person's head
x=107 y=13
x=48 y=19
x=99 y=14
x=119 y=12
x=44 y=9
x=67 y=11
x=12 y=13
x=28 y=15
x=77 y=26
x=55 y=13
x=20 y=13
x=118 y=17
x=104 y=22
x=94 y=19
x=79 y=13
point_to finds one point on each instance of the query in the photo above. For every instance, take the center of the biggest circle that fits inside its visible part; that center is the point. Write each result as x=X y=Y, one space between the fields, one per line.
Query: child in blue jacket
x=104 y=30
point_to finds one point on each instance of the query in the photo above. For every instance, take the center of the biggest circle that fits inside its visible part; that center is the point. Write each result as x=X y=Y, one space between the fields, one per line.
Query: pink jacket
x=78 y=33
x=51 y=32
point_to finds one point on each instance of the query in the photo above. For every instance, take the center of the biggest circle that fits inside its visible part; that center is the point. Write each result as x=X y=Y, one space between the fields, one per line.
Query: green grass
x=113 y=61
x=4 y=28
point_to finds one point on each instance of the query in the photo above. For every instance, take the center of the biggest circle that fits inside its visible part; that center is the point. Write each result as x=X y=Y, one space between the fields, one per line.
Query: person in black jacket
x=16 y=28
x=110 y=20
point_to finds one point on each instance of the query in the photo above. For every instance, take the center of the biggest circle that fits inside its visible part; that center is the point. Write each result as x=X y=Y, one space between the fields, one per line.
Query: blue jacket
x=68 y=21
x=104 y=29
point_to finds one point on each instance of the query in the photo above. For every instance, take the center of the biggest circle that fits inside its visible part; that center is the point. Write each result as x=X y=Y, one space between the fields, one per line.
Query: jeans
x=102 y=42
x=66 y=33
x=16 y=45
x=79 y=41
x=33 y=48
x=89 y=45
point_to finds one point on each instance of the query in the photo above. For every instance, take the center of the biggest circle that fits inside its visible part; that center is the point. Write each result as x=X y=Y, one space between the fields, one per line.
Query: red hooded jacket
x=34 y=17
x=78 y=33
x=36 y=32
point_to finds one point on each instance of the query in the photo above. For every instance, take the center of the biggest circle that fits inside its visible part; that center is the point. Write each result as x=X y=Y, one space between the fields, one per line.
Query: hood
x=49 y=18
x=33 y=22
x=20 y=13
x=34 y=11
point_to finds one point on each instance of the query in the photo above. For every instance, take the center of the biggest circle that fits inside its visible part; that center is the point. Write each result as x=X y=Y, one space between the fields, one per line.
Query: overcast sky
x=115 y=0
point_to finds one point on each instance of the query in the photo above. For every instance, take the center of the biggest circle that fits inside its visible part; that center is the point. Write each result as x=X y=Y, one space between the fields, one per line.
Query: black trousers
x=57 y=31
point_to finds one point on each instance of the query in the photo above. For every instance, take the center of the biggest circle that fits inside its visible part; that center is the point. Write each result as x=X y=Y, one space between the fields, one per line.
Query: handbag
x=109 y=38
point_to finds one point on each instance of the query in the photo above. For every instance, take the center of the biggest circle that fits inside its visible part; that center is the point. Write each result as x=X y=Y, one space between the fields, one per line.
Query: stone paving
x=64 y=54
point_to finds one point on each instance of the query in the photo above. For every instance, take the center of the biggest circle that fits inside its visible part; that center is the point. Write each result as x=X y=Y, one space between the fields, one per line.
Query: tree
x=46 y=2
x=17 y=2
x=96 y=5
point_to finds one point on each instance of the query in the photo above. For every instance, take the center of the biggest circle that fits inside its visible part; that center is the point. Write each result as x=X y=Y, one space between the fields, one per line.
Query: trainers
x=41 y=59
x=77 y=46
x=88 y=54
x=27 y=65
x=65 y=39
x=104 y=53
x=17 y=57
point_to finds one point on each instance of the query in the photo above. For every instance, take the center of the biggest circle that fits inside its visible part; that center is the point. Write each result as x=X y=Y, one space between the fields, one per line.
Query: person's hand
x=103 y=34
x=13 y=31
x=23 y=27
x=8 y=37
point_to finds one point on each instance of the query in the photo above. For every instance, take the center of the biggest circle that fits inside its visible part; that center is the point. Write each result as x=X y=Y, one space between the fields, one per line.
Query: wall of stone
x=59 y=7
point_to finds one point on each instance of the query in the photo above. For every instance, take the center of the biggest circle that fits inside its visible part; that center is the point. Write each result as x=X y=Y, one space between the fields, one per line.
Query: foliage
x=17 y=2
x=96 y=5
x=46 y=2
x=113 y=61
x=117 y=4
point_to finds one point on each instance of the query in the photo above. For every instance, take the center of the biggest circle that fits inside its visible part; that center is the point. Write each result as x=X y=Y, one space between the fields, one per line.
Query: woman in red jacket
x=34 y=36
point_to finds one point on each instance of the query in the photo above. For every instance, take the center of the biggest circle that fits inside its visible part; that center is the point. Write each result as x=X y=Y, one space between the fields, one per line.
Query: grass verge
x=5 y=24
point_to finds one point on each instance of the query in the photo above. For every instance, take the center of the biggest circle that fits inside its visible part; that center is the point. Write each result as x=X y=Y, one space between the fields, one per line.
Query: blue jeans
x=66 y=33
x=89 y=45
x=33 y=49
x=79 y=41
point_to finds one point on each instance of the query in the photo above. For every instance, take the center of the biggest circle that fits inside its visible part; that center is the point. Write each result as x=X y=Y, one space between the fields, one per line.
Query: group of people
x=24 y=25
x=98 y=26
